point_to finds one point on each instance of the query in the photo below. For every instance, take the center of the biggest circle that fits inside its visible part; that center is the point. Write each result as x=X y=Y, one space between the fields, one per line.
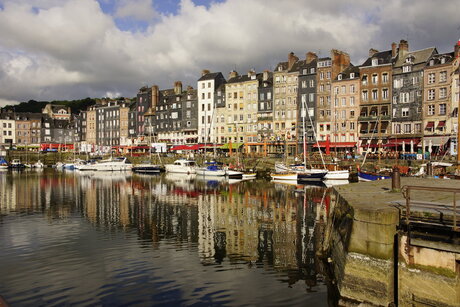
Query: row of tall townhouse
x=396 y=99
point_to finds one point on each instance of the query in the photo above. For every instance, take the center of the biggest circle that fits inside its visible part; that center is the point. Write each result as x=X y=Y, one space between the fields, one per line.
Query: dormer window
x=375 y=62
x=410 y=59
x=339 y=77
x=280 y=68
x=443 y=60
x=352 y=75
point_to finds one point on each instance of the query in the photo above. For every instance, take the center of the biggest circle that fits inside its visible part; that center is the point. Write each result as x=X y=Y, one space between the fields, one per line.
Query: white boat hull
x=209 y=173
x=288 y=176
x=337 y=175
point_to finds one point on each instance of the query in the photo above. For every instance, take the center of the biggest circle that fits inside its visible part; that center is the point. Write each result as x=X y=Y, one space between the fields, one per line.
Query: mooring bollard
x=395 y=179
x=429 y=169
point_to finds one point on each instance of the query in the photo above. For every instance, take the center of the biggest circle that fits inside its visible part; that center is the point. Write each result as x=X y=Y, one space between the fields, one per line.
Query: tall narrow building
x=408 y=96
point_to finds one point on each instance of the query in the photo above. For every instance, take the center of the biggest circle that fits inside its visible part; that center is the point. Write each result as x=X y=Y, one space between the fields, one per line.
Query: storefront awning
x=231 y=145
x=429 y=125
x=336 y=144
x=441 y=124
x=398 y=142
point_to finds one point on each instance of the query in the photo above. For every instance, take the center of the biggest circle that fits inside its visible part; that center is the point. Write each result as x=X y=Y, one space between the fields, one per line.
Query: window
x=352 y=101
x=407 y=68
x=304 y=84
x=385 y=77
x=375 y=95
x=405 y=112
x=364 y=80
x=442 y=109
x=352 y=75
x=375 y=62
x=344 y=114
x=397 y=128
x=385 y=94
x=339 y=77
x=336 y=90
x=431 y=94
x=344 y=102
x=430 y=109
x=365 y=96
x=321 y=75
x=407 y=128
x=431 y=78
x=343 y=89
x=375 y=79
x=328 y=75
x=352 y=126
x=443 y=76
x=442 y=92
x=311 y=97
x=418 y=128
x=352 y=89
x=312 y=83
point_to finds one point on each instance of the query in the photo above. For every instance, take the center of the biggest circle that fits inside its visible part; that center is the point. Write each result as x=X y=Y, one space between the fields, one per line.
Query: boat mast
x=316 y=139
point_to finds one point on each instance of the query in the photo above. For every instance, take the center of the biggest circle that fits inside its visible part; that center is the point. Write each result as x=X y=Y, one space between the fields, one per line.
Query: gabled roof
x=283 y=65
x=437 y=59
x=347 y=71
x=418 y=56
x=211 y=76
x=384 y=57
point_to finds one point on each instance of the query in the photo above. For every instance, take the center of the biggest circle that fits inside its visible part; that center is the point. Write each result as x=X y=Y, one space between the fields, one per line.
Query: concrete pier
x=377 y=261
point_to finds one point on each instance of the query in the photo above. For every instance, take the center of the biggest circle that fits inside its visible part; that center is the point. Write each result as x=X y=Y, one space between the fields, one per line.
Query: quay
x=381 y=253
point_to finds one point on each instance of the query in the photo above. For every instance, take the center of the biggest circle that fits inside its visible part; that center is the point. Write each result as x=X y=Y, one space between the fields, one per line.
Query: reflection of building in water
x=21 y=194
x=207 y=204
x=7 y=194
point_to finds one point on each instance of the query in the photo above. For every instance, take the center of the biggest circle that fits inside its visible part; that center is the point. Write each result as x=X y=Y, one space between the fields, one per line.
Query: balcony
x=373 y=118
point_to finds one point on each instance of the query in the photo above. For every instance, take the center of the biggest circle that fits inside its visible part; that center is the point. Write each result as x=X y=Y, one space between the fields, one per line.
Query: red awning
x=442 y=123
x=336 y=145
x=397 y=142
x=430 y=125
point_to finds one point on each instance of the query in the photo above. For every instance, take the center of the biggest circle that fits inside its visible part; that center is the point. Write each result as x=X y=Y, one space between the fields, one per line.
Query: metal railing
x=406 y=191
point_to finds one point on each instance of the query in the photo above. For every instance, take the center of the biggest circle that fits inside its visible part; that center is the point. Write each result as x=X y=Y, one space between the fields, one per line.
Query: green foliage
x=34 y=106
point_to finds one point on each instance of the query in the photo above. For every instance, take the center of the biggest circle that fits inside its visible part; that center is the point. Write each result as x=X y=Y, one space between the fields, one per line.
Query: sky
x=73 y=49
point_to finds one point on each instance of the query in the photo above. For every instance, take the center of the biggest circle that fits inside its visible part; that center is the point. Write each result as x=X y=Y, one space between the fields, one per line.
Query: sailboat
x=310 y=174
x=371 y=176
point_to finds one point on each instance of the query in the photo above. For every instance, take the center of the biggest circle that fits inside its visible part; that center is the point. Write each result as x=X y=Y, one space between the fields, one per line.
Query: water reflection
x=231 y=224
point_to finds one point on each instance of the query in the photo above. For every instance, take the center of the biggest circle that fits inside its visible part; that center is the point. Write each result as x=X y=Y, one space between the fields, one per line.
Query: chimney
x=310 y=56
x=177 y=87
x=251 y=73
x=372 y=51
x=204 y=72
x=155 y=97
x=393 y=49
x=232 y=74
x=403 y=46
x=457 y=49
x=291 y=60
x=265 y=75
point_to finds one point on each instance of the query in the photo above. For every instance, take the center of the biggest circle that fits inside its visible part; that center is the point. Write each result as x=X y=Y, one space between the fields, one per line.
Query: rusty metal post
x=455 y=211
x=429 y=169
x=395 y=179
x=407 y=204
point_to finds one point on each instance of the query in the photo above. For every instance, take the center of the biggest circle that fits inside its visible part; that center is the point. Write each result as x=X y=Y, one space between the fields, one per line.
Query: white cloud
x=70 y=49
x=138 y=9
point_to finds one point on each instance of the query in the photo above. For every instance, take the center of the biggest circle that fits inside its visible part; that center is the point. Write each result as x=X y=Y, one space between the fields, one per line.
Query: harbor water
x=121 y=239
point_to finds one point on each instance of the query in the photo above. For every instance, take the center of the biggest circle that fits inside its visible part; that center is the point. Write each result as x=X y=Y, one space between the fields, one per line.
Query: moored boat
x=116 y=164
x=337 y=175
x=212 y=169
x=368 y=176
x=147 y=168
x=182 y=166
x=16 y=163
x=284 y=176
x=316 y=175
x=3 y=163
